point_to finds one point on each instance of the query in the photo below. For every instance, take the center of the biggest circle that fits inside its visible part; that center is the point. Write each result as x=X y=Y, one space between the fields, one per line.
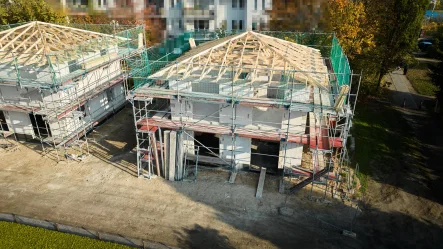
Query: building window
x=254 y=26
x=201 y=24
x=242 y=3
x=172 y=3
x=105 y=2
x=180 y=24
x=255 y=4
x=263 y=4
x=234 y=3
x=234 y=25
x=224 y=24
x=240 y=24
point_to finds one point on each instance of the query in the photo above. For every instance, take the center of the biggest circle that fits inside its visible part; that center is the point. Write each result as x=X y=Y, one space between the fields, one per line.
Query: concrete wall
x=294 y=154
x=185 y=109
x=242 y=149
x=84 y=85
x=21 y=96
x=243 y=115
x=96 y=108
x=202 y=110
x=267 y=118
x=297 y=122
x=19 y=122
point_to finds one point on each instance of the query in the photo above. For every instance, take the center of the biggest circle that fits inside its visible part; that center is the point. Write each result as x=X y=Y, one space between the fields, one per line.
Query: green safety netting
x=340 y=63
x=159 y=56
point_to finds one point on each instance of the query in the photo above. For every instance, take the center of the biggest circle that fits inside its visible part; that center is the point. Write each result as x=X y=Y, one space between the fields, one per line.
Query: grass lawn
x=381 y=137
x=421 y=80
x=13 y=235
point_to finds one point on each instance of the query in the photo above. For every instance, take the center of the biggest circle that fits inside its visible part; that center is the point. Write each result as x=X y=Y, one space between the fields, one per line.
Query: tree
x=397 y=24
x=16 y=11
x=348 y=19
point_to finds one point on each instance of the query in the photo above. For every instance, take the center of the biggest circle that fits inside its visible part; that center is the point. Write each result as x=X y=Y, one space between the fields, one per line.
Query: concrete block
x=261 y=183
x=232 y=177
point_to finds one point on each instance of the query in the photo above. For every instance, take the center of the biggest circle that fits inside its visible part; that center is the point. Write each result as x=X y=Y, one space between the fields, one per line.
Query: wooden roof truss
x=34 y=42
x=252 y=53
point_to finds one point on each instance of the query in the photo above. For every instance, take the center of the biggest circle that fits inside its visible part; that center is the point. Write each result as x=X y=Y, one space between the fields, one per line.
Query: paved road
x=402 y=86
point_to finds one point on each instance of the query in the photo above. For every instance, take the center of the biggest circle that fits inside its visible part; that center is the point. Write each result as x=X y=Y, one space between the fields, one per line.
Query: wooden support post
x=166 y=159
x=156 y=157
x=261 y=183
x=172 y=154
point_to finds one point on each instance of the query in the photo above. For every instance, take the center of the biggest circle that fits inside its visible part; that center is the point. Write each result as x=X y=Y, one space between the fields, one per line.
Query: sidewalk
x=401 y=87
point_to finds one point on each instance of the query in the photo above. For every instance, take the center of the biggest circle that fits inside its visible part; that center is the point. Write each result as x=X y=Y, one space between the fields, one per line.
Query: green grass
x=381 y=136
x=420 y=78
x=13 y=235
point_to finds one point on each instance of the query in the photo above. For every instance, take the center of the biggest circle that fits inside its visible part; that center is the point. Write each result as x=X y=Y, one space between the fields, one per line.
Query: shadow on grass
x=399 y=147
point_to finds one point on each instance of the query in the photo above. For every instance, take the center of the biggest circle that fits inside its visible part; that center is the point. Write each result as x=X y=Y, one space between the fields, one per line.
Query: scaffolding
x=286 y=89
x=62 y=80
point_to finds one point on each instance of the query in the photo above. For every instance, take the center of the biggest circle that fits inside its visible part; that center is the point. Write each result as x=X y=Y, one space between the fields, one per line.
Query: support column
x=172 y=155
x=166 y=149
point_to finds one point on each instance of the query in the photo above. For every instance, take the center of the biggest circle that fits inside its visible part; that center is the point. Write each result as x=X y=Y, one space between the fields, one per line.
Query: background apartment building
x=179 y=16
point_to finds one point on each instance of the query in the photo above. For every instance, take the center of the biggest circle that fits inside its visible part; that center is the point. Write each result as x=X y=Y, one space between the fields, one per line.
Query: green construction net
x=340 y=63
x=159 y=56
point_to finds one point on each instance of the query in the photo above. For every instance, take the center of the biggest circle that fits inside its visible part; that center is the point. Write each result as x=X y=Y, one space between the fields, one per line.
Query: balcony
x=198 y=13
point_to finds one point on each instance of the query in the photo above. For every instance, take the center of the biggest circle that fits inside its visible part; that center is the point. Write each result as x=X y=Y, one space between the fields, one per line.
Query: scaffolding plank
x=261 y=183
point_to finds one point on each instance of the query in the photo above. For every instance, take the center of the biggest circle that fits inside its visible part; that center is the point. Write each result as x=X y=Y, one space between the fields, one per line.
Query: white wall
x=242 y=149
x=21 y=96
x=185 y=109
x=82 y=86
x=19 y=122
x=294 y=154
x=95 y=109
x=267 y=118
x=297 y=122
x=206 y=111
x=243 y=115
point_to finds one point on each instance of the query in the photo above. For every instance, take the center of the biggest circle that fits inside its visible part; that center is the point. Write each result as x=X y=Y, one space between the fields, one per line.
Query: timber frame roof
x=33 y=42
x=251 y=53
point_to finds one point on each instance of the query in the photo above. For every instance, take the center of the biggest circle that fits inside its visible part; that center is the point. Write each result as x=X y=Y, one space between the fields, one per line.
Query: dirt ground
x=103 y=193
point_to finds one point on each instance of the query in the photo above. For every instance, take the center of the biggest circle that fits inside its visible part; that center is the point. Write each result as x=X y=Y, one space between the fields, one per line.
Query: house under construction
x=276 y=102
x=57 y=82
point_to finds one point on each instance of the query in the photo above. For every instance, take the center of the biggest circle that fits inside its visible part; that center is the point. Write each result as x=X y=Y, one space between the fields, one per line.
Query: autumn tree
x=16 y=11
x=349 y=20
x=397 y=24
